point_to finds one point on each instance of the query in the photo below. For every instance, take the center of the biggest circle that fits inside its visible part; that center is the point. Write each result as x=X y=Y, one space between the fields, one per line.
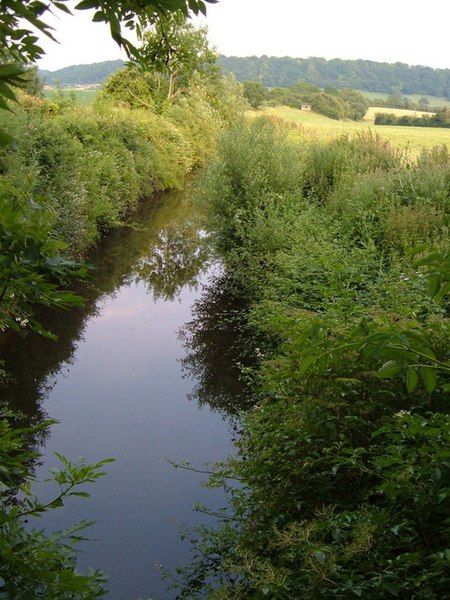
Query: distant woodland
x=366 y=75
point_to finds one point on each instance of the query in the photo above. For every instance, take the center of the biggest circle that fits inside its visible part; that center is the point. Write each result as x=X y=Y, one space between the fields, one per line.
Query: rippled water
x=122 y=382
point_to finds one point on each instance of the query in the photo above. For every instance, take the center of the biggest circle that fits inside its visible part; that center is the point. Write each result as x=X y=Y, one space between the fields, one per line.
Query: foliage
x=440 y=119
x=255 y=93
x=132 y=88
x=32 y=267
x=20 y=42
x=35 y=564
x=359 y=74
x=175 y=50
x=343 y=463
x=333 y=103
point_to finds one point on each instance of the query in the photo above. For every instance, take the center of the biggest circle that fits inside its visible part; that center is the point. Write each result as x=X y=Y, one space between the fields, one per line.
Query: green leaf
x=411 y=379
x=429 y=377
x=389 y=369
x=87 y=4
x=306 y=364
x=434 y=284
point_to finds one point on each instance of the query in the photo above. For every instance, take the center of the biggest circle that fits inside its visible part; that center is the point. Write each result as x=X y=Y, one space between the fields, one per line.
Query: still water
x=122 y=382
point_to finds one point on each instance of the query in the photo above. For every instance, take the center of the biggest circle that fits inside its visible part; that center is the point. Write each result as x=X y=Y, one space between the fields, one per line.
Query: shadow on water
x=219 y=346
x=117 y=380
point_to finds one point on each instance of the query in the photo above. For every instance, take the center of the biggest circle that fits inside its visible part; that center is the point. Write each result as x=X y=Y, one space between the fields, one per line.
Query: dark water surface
x=115 y=383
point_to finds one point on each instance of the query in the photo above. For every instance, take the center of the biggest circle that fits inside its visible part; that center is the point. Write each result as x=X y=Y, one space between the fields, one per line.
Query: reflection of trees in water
x=164 y=250
x=177 y=257
x=219 y=343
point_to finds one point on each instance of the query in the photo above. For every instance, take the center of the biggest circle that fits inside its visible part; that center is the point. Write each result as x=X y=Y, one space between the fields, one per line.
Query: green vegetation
x=440 y=119
x=255 y=93
x=285 y=72
x=365 y=75
x=409 y=101
x=340 y=251
x=331 y=102
x=311 y=125
x=83 y=97
x=68 y=174
x=35 y=565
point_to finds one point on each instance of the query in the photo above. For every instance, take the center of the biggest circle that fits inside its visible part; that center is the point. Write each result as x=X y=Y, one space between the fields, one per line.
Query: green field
x=83 y=96
x=323 y=127
x=434 y=100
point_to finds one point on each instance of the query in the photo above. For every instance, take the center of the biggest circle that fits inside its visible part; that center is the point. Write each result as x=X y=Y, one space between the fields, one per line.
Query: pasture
x=83 y=96
x=434 y=100
x=323 y=127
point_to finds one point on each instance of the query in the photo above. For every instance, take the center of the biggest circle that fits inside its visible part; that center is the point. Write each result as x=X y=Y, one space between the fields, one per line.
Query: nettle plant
x=405 y=353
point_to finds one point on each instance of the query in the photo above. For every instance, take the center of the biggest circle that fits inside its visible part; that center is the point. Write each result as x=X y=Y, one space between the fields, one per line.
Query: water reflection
x=219 y=345
x=176 y=259
x=162 y=248
x=113 y=382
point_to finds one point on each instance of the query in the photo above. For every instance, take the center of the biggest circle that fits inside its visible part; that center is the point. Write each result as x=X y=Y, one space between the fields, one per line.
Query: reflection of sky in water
x=123 y=395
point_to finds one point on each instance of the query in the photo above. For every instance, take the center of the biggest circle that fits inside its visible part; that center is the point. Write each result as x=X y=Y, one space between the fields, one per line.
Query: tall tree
x=19 y=20
x=175 y=49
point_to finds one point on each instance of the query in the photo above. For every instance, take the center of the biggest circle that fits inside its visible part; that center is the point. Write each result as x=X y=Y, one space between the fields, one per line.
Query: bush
x=343 y=463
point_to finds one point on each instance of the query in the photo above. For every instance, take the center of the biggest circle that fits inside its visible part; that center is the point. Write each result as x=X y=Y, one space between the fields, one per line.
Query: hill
x=93 y=74
x=365 y=75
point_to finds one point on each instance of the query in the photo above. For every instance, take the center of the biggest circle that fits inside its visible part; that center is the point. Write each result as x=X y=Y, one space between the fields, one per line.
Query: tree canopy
x=366 y=75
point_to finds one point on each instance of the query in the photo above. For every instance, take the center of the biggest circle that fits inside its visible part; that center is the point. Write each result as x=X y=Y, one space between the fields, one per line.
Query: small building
x=306 y=106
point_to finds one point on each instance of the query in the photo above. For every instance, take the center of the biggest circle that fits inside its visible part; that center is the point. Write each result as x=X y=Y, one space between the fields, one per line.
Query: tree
x=357 y=104
x=19 y=20
x=254 y=92
x=131 y=87
x=175 y=50
x=424 y=103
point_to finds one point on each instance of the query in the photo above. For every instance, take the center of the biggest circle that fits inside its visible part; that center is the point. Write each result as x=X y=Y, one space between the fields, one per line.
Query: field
x=323 y=127
x=83 y=96
x=434 y=100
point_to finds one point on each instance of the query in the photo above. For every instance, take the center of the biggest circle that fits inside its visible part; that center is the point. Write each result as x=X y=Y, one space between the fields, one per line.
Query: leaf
x=411 y=379
x=5 y=138
x=434 y=284
x=306 y=364
x=429 y=377
x=389 y=369
x=87 y=4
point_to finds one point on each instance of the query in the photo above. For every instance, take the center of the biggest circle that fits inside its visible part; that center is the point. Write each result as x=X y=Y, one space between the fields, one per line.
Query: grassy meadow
x=434 y=100
x=83 y=96
x=323 y=127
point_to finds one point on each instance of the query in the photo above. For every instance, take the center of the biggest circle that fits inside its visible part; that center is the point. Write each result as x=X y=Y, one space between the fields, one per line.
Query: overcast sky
x=410 y=31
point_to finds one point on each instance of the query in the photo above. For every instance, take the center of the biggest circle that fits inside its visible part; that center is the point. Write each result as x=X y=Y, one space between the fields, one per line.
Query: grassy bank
x=321 y=127
x=343 y=464
x=87 y=168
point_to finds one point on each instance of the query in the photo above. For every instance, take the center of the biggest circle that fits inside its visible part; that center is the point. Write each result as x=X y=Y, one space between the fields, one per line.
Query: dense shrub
x=440 y=119
x=88 y=168
x=331 y=102
x=343 y=468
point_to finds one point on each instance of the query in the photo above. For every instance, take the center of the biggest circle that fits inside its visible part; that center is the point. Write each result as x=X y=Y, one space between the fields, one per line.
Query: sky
x=408 y=31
